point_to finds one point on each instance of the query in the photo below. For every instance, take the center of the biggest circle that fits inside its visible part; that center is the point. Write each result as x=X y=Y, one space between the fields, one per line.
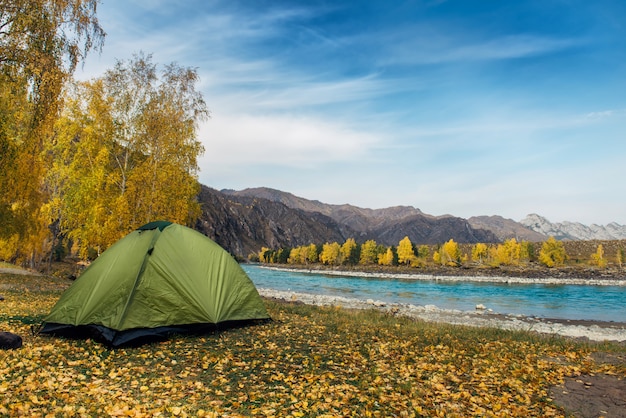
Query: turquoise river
x=564 y=301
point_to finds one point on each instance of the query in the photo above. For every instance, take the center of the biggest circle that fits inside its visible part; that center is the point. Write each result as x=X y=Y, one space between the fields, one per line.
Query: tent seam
x=137 y=278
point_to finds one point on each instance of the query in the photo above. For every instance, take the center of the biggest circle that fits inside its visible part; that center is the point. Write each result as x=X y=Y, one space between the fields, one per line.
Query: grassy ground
x=309 y=361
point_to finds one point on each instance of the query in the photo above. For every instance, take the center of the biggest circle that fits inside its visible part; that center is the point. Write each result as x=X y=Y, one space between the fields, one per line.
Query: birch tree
x=125 y=152
x=369 y=253
x=331 y=254
x=597 y=258
x=387 y=257
x=479 y=252
x=406 y=254
x=552 y=253
x=349 y=252
x=41 y=42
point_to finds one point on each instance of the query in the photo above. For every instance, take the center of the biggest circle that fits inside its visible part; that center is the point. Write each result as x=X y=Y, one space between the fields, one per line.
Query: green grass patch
x=309 y=361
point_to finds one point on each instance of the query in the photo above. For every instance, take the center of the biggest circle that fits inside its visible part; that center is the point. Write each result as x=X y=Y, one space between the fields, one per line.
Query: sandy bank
x=593 y=330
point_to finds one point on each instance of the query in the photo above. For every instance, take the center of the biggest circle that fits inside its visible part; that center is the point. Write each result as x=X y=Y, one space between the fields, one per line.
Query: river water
x=600 y=303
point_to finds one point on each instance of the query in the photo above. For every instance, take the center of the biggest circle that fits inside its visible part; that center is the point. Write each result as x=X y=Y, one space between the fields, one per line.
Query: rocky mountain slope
x=244 y=221
x=506 y=228
x=359 y=219
x=242 y=225
x=574 y=230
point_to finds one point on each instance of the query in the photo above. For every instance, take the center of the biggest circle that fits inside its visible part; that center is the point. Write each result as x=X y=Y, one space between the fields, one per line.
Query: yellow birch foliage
x=527 y=251
x=597 y=258
x=263 y=254
x=449 y=254
x=41 y=42
x=552 y=253
x=369 y=253
x=479 y=253
x=331 y=254
x=406 y=254
x=386 y=258
x=312 y=255
x=509 y=252
x=349 y=252
x=126 y=153
x=294 y=255
x=79 y=174
x=303 y=255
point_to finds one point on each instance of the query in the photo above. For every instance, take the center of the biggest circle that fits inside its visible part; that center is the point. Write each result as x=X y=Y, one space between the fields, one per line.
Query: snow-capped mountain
x=574 y=230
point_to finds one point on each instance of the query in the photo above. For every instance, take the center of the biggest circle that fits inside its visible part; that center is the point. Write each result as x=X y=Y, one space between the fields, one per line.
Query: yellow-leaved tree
x=349 y=252
x=125 y=153
x=597 y=258
x=311 y=253
x=41 y=42
x=295 y=255
x=369 y=253
x=449 y=254
x=303 y=255
x=406 y=253
x=509 y=252
x=552 y=253
x=527 y=252
x=331 y=254
x=387 y=257
x=264 y=255
x=479 y=253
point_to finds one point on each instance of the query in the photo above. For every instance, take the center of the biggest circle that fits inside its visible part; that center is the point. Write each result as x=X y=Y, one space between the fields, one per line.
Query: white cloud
x=288 y=141
x=512 y=46
x=319 y=92
x=604 y=114
x=428 y=44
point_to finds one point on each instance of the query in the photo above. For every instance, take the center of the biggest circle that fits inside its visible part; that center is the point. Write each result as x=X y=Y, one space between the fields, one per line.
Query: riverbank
x=481 y=317
x=592 y=330
x=584 y=277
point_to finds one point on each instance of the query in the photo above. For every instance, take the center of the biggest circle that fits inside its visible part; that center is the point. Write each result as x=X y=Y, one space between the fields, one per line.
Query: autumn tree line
x=82 y=163
x=551 y=253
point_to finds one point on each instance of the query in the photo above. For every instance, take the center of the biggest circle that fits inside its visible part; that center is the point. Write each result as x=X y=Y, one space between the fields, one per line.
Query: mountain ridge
x=574 y=231
x=532 y=228
x=505 y=228
x=244 y=221
x=387 y=225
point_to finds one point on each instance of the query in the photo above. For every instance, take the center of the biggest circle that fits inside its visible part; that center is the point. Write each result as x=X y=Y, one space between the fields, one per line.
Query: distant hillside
x=246 y=220
x=423 y=229
x=386 y=226
x=574 y=230
x=506 y=228
x=359 y=219
x=242 y=225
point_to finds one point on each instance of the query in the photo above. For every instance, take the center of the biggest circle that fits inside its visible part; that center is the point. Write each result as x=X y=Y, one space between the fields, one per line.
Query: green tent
x=161 y=279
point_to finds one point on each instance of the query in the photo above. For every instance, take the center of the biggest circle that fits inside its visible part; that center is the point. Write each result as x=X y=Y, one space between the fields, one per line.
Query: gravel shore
x=592 y=330
x=576 y=277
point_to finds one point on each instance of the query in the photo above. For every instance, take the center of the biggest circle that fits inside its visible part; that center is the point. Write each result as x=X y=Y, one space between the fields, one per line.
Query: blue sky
x=485 y=107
